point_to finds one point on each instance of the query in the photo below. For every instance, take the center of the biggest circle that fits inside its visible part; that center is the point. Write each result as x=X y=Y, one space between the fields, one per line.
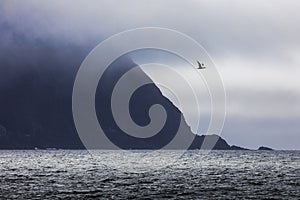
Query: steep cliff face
x=36 y=100
x=139 y=105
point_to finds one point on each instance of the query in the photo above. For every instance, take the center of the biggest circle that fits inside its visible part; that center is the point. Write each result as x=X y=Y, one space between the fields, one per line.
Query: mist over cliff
x=37 y=79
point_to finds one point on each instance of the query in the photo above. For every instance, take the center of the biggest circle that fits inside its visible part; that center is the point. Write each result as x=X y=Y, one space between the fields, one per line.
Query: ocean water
x=61 y=174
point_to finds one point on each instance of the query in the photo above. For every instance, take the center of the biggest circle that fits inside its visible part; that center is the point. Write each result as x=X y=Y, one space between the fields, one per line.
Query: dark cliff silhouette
x=36 y=82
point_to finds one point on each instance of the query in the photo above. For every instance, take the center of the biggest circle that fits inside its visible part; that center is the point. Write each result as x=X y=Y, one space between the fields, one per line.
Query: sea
x=79 y=174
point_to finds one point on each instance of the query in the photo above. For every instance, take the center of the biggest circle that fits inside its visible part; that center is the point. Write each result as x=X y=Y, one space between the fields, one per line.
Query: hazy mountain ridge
x=36 y=98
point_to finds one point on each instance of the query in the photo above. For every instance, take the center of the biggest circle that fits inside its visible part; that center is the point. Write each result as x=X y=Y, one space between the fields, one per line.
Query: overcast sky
x=255 y=45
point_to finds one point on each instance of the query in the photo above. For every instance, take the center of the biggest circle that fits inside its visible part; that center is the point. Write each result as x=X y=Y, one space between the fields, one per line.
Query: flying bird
x=200 y=65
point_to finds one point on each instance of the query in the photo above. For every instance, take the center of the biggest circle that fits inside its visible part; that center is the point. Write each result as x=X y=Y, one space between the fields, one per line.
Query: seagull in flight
x=200 y=65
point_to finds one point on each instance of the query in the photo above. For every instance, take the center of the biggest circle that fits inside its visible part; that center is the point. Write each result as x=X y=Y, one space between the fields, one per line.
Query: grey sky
x=254 y=44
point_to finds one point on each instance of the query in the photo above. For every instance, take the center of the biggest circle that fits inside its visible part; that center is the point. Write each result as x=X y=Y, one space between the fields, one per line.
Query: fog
x=254 y=44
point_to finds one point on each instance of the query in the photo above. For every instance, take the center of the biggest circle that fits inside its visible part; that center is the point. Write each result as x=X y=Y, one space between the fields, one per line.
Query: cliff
x=36 y=100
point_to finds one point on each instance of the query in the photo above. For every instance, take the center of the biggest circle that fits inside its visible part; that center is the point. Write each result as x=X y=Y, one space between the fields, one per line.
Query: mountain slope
x=36 y=99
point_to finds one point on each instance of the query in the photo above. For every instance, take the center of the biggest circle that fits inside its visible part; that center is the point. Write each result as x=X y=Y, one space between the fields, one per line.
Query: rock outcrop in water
x=262 y=148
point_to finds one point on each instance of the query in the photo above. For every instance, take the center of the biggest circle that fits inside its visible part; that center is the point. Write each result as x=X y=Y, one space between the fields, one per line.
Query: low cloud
x=255 y=45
